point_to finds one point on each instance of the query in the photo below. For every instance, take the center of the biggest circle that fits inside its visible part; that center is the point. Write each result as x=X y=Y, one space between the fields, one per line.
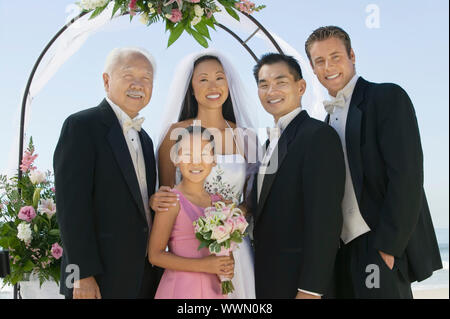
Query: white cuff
x=309 y=292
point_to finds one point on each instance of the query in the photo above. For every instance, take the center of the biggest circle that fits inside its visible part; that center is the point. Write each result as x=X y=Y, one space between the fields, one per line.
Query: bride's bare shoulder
x=182 y=124
x=175 y=126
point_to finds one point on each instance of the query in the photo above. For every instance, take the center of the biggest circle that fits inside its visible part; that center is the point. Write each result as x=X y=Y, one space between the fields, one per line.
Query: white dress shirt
x=354 y=224
x=274 y=136
x=137 y=156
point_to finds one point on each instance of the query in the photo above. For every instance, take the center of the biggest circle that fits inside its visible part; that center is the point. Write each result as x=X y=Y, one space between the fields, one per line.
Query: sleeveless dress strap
x=185 y=204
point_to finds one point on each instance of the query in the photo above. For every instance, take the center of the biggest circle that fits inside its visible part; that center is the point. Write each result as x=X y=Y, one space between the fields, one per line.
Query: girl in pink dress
x=190 y=273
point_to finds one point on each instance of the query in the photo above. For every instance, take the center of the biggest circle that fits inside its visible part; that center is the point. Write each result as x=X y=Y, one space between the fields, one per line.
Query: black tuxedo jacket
x=100 y=209
x=386 y=164
x=298 y=218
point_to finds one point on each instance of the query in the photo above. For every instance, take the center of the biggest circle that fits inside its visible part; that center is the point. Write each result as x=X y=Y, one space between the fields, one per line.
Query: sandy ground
x=441 y=293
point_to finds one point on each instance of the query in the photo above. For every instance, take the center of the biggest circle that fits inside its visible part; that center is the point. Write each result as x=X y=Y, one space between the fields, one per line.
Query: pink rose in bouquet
x=241 y=224
x=220 y=234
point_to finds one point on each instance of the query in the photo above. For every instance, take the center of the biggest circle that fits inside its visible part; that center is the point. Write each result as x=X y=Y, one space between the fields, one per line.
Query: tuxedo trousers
x=361 y=273
x=150 y=281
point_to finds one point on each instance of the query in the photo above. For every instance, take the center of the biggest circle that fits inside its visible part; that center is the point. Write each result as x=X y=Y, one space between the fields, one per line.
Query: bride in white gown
x=227 y=179
x=213 y=94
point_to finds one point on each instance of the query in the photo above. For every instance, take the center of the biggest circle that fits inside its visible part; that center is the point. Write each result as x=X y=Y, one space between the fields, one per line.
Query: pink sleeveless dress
x=183 y=243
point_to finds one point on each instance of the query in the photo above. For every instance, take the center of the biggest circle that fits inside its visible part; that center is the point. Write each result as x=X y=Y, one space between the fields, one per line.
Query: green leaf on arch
x=175 y=33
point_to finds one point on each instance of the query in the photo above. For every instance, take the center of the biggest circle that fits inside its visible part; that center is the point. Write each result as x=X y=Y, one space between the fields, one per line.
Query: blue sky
x=409 y=48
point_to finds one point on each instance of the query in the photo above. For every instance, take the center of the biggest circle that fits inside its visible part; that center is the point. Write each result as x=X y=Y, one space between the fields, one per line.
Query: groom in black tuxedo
x=104 y=174
x=298 y=191
x=388 y=239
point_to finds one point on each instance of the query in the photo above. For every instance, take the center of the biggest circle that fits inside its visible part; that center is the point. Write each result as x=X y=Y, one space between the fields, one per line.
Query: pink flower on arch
x=176 y=16
x=245 y=6
x=132 y=7
x=209 y=13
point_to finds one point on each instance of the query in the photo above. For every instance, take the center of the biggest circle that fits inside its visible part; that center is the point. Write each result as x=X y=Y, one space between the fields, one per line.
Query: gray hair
x=117 y=53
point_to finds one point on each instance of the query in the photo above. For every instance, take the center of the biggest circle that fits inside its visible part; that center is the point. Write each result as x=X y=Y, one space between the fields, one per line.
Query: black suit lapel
x=121 y=152
x=353 y=137
x=149 y=157
x=280 y=152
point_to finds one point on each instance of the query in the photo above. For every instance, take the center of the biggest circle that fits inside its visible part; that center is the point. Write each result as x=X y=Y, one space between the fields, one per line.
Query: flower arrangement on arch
x=28 y=225
x=193 y=16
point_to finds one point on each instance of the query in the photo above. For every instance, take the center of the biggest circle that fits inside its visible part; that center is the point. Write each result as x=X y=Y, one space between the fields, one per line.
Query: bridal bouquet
x=28 y=226
x=192 y=16
x=221 y=229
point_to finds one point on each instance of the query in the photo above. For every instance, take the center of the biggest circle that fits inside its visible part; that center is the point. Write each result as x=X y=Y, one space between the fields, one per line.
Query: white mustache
x=137 y=93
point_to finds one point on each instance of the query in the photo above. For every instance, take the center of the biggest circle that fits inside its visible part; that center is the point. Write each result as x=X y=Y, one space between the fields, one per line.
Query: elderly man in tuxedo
x=104 y=174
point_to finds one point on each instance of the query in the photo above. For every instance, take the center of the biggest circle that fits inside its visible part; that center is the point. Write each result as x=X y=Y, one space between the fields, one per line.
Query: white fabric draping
x=67 y=44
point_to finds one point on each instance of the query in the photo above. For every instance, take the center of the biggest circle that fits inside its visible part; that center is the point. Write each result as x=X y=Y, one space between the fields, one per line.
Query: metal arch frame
x=64 y=28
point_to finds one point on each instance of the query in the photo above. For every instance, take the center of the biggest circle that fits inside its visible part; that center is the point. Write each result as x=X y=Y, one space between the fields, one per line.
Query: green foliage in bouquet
x=28 y=226
x=192 y=16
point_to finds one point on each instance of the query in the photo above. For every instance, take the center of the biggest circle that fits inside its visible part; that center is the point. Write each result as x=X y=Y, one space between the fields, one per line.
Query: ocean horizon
x=440 y=278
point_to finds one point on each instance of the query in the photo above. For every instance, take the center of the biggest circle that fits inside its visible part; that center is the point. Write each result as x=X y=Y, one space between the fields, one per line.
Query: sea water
x=440 y=278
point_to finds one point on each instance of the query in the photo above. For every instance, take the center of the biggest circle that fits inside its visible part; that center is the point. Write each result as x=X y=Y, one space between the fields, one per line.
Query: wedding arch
x=26 y=100
x=70 y=38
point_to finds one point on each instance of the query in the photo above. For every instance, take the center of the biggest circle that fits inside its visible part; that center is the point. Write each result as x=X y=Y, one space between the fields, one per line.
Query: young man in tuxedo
x=105 y=173
x=387 y=223
x=298 y=191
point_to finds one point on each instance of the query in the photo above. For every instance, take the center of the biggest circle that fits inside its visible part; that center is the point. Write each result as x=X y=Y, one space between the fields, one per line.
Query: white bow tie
x=338 y=101
x=273 y=133
x=136 y=124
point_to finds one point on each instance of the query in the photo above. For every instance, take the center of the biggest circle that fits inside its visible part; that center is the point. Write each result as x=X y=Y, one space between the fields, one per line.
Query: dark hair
x=272 y=58
x=324 y=33
x=189 y=109
x=191 y=130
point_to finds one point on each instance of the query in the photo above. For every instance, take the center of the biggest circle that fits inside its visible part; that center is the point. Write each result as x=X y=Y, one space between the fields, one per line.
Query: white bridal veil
x=242 y=106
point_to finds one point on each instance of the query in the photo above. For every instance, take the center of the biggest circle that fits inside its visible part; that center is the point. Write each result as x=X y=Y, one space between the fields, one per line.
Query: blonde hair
x=324 y=33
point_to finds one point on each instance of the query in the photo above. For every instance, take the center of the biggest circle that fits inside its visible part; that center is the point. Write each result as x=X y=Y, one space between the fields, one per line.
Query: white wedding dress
x=227 y=178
